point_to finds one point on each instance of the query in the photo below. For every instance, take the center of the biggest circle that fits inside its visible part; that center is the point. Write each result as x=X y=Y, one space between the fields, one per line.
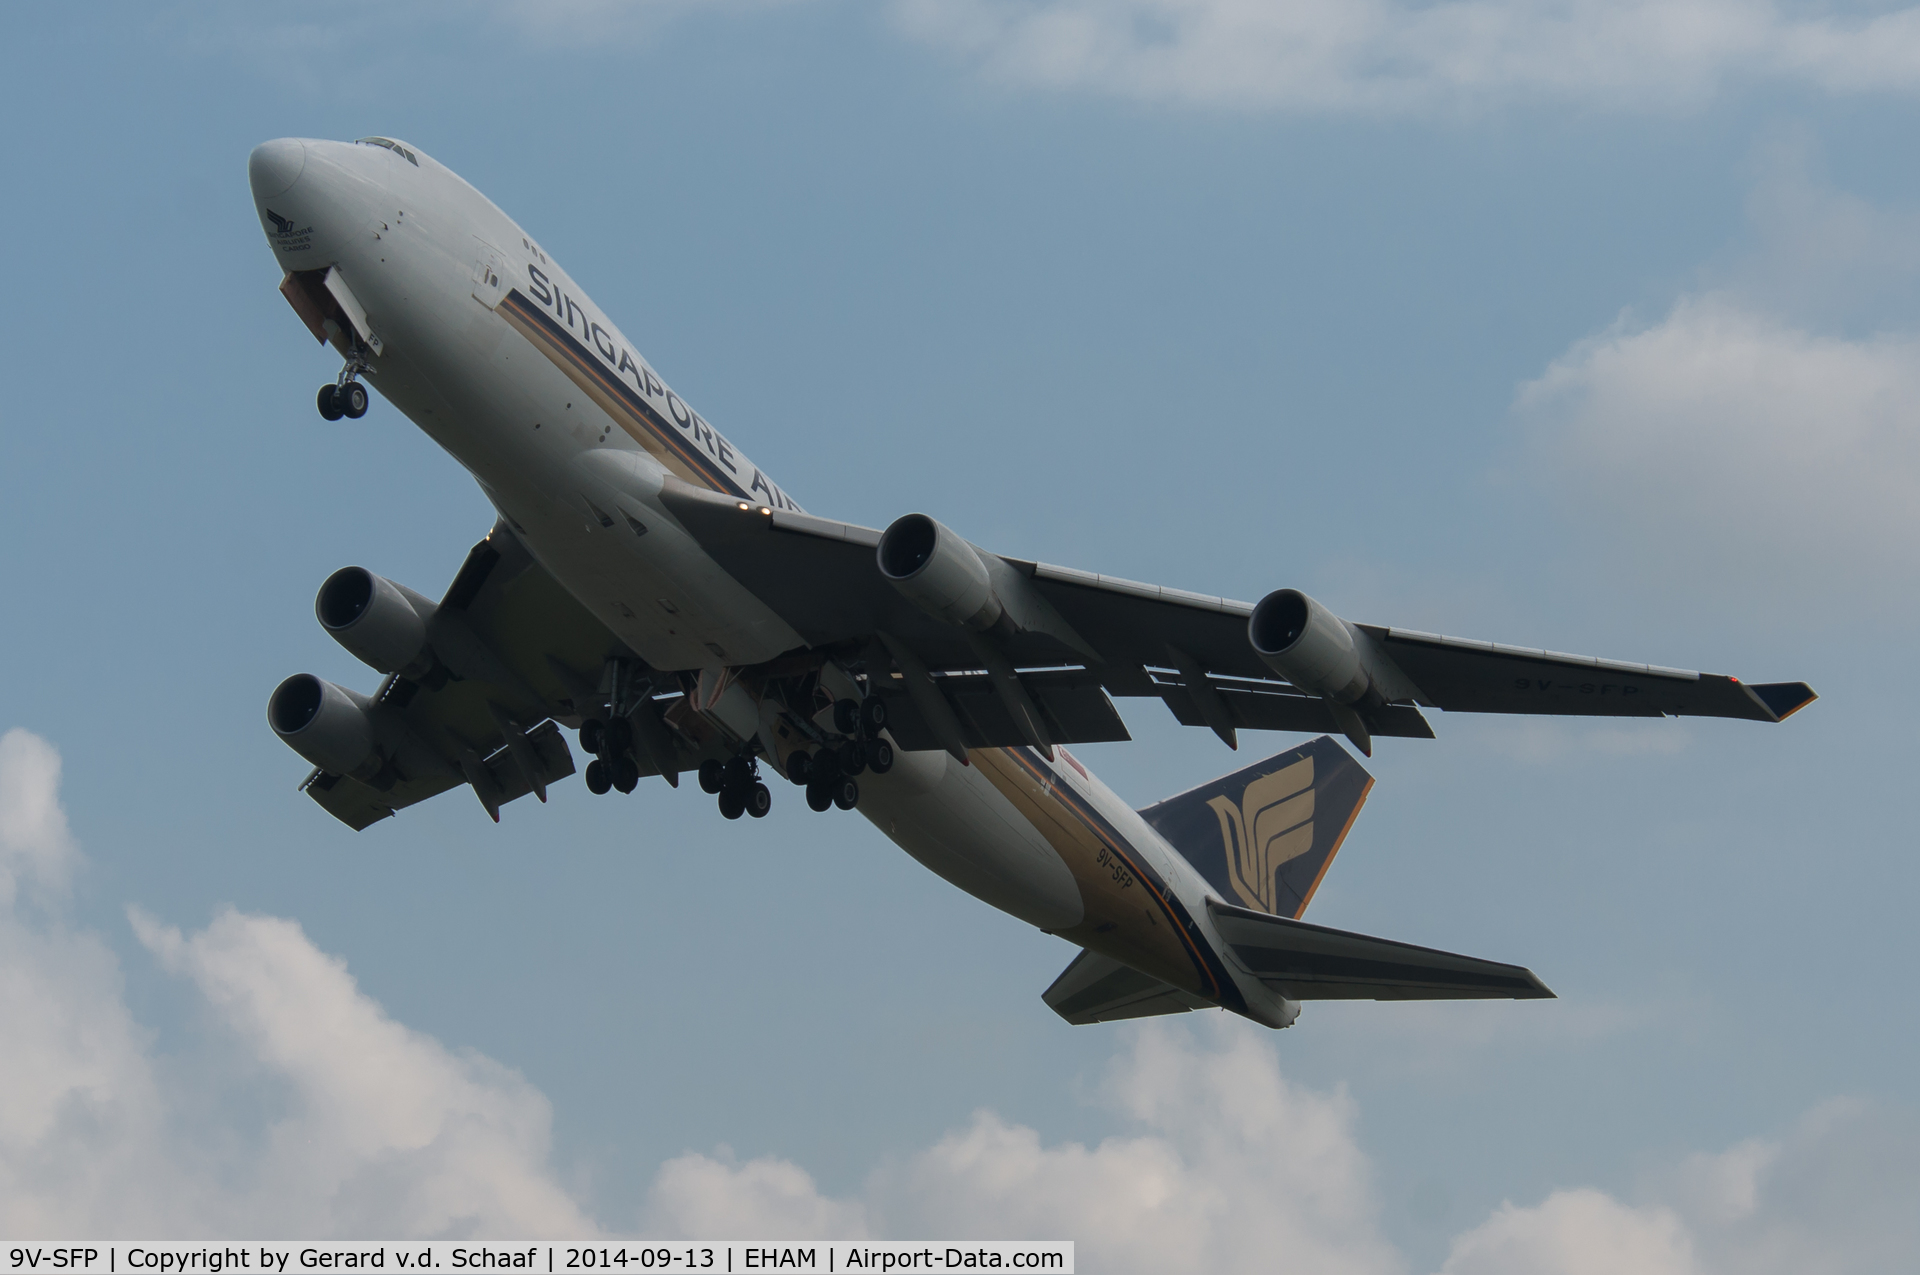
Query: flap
x=1072 y=707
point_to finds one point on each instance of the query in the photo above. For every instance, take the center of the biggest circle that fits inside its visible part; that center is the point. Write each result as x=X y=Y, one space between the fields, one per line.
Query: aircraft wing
x=1090 y=636
x=517 y=650
x=1306 y=962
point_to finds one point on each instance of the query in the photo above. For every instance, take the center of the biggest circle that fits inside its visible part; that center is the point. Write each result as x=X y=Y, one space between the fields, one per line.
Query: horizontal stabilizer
x=1313 y=963
x=1099 y=989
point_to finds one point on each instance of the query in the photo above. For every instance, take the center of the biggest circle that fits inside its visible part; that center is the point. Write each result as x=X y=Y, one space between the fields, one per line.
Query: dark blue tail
x=1265 y=835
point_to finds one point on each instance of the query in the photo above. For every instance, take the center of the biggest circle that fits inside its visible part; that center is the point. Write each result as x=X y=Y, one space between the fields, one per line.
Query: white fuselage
x=493 y=350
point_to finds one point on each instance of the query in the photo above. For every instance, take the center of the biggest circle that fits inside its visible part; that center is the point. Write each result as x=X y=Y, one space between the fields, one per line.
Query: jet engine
x=380 y=622
x=328 y=725
x=1308 y=645
x=938 y=572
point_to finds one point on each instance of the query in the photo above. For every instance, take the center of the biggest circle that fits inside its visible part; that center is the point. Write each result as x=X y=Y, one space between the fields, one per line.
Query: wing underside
x=521 y=654
x=1109 y=637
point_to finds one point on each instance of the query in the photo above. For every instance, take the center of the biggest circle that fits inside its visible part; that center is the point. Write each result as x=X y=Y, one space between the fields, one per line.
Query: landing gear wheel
x=731 y=804
x=879 y=756
x=329 y=402
x=873 y=716
x=846 y=716
x=739 y=773
x=819 y=798
x=846 y=793
x=592 y=731
x=799 y=766
x=626 y=775
x=853 y=757
x=616 y=735
x=352 y=400
x=598 y=780
x=713 y=776
x=759 y=801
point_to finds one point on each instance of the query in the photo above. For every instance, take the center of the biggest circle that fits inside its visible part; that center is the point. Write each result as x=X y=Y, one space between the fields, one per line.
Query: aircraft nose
x=275 y=166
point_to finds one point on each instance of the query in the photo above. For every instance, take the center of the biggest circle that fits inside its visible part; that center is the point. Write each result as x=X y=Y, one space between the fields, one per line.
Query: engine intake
x=1309 y=645
x=381 y=623
x=328 y=725
x=938 y=572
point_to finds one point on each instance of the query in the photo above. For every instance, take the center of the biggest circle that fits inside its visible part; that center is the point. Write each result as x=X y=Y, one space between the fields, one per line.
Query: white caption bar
x=549 y=1257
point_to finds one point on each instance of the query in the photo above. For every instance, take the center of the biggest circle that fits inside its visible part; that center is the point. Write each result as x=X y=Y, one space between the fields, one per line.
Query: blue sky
x=1594 y=327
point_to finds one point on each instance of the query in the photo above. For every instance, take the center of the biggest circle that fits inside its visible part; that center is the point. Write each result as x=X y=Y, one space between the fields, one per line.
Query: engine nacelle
x=328 y=725
x=377 y=620
x=938 y=572
x=1308 y=645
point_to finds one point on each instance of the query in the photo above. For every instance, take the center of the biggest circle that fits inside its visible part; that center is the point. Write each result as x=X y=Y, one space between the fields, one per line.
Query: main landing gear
x=829 y=772
x=612 y=768
x=346 y=396
x=737 y=784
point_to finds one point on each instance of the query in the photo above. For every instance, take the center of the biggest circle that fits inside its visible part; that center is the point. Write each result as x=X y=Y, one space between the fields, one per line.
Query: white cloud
x=385 y=1130
x=36 y=849
x=358 y=1125
x=1740 y=457
x=375 y=1129
x=1840 y=1194
x=698 y=1196
x=1574 y=1233
x=1231 y=1166
x=1382 y=56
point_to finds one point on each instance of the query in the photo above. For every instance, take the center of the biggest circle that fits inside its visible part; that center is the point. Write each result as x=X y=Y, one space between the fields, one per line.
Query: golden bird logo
x=1272 y=824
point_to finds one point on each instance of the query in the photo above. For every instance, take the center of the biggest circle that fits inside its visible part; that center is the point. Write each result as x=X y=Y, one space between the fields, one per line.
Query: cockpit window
x=391 y=145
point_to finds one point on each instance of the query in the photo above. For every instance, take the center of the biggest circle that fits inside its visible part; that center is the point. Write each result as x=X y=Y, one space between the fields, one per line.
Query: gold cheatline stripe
x=1114 y=842
x=1338 y=841
x=569 y=355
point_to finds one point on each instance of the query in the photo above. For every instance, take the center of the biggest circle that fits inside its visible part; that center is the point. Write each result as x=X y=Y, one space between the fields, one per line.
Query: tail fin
x=1265 y=835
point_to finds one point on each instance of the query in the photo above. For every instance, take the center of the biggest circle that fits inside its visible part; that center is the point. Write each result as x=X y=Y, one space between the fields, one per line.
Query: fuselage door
x=489 y=276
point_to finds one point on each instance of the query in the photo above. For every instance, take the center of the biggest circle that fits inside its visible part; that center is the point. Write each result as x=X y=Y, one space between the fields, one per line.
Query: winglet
x=1783 y=699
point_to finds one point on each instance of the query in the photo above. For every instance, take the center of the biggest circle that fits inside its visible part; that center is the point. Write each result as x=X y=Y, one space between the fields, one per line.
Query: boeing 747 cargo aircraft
x=651 y=588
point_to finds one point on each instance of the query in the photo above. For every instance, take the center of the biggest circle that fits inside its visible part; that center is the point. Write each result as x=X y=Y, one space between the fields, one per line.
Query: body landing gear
x=737 y=784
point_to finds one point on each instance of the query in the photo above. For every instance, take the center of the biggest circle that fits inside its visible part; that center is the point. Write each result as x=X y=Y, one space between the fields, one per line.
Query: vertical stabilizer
x=1264 y=836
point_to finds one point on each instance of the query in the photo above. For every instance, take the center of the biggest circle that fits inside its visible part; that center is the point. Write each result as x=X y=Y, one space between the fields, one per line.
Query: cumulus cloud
x=1387 y=56
x=1232 y=1168
x=1581 y=1232
x=373 y=1128
x=1231 y=1165
x=385 y=1130
x=1840 y=1193
x=361 y=1126
x=36 y=849
x=1735 y=453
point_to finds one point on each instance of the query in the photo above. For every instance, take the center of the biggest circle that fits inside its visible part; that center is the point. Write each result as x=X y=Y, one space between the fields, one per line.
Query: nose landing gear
x=346 y=396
